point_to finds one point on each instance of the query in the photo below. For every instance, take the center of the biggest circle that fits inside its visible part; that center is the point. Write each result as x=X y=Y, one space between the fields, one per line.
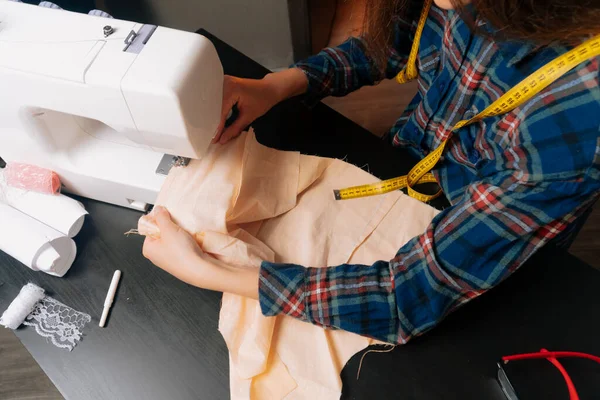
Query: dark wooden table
x=161 y=341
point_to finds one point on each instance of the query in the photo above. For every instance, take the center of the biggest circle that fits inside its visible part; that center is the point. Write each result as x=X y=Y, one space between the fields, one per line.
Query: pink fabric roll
x=32 y=178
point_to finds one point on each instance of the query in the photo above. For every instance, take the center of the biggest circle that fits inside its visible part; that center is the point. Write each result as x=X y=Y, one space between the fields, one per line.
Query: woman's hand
x=254 y=97
x=177 y=252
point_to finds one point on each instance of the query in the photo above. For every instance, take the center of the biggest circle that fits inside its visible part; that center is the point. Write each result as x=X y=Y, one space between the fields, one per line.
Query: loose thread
x=132 y=232
x=392 y=347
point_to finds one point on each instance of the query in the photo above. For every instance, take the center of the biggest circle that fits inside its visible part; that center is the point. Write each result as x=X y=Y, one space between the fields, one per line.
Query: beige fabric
x=247 y=203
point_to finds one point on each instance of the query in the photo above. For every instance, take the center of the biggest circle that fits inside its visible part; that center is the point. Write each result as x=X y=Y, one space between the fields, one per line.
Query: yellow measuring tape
x=410 y=72
x=515 y=97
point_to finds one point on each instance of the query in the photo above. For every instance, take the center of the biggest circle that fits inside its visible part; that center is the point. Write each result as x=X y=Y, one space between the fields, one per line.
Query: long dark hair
x=540 y=21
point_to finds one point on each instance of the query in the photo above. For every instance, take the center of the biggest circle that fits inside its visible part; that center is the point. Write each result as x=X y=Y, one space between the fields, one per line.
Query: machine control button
x=108 y=30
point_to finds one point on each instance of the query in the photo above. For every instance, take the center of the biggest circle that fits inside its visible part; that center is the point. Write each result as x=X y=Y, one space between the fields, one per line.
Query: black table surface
x=162 y=342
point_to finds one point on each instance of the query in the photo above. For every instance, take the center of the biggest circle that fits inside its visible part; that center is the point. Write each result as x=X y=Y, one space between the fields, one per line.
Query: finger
x=221 y=126
x=147 y=248
x=163 y=220
x=228 y=102
x=233 y=130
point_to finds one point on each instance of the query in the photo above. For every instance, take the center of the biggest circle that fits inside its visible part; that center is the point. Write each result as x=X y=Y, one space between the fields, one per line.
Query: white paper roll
x=35 y=244
x=60 y=212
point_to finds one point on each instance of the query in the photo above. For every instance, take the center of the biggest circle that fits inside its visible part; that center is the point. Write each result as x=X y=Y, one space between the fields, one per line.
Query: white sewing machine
x=102 y=101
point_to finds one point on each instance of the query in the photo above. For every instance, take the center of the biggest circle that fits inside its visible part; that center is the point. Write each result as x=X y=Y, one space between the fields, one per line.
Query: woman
x=515 y=182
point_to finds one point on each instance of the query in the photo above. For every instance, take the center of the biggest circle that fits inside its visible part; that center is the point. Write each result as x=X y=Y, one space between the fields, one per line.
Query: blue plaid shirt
x=514 y=182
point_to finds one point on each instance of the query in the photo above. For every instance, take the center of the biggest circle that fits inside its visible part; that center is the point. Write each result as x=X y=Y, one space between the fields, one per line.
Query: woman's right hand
x=254 y=97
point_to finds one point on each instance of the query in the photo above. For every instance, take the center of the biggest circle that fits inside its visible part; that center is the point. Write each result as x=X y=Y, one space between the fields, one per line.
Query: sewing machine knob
x=108 y=30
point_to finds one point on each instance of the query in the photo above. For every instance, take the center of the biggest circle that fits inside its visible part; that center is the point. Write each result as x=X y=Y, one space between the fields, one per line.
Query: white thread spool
x=22 y=306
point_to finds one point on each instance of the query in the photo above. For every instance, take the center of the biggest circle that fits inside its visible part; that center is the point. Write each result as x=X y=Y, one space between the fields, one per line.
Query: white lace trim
x=58 y=322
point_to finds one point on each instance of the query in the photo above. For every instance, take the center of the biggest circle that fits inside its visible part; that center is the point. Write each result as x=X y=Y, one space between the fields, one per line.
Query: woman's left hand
x=175 y=251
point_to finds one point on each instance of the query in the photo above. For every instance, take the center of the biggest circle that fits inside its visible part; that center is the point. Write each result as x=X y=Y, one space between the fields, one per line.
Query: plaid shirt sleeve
x=337 y=71
x=468 y=249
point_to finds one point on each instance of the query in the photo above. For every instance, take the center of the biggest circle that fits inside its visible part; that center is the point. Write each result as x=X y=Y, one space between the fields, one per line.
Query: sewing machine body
x=102 y=108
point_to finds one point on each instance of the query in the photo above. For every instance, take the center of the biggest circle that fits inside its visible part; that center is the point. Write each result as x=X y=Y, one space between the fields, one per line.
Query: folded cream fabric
x=246 y=203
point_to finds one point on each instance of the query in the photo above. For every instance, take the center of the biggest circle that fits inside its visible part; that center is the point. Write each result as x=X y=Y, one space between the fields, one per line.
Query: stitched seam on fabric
x=317 y=180
x=238 y=189
x=370 y=228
